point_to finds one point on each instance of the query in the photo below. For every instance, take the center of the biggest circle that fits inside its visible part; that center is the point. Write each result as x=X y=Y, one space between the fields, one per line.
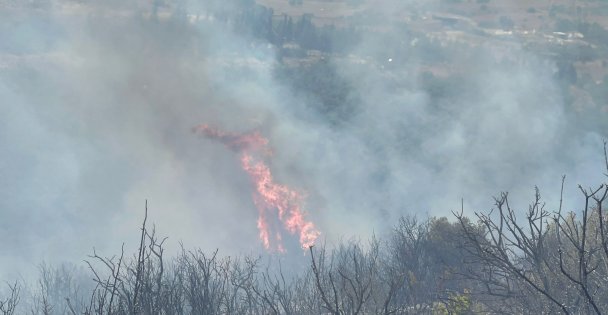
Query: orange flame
x=268 y=196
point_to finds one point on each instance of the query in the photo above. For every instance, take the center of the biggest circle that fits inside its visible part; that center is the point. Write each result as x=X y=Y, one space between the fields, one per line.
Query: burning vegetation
x=271 y=199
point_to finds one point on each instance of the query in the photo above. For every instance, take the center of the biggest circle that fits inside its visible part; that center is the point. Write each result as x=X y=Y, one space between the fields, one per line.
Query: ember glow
x=269 y=197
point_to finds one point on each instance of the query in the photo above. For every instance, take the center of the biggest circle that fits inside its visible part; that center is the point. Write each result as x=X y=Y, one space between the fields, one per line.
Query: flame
x=268 y=196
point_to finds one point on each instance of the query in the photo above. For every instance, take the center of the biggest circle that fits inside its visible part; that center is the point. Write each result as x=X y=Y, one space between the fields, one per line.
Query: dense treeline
x=513 y=261
x=248 y=18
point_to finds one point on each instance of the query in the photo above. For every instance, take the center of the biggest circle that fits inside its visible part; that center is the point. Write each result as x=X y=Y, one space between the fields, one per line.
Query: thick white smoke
x=98 y=103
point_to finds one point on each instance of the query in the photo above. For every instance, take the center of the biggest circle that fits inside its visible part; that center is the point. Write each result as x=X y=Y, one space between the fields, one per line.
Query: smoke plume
x=98 y=101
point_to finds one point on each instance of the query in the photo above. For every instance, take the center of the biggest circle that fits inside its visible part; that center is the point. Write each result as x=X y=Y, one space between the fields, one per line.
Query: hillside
x=303 y=157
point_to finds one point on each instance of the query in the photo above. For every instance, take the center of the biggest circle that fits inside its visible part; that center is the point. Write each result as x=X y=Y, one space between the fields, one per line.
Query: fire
x=268 y=197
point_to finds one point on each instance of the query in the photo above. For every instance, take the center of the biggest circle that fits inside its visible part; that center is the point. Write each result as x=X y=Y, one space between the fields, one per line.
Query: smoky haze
x=98 y=103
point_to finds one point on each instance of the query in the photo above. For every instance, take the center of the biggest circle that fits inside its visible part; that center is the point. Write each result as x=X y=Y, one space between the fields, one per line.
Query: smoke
x=98 y=102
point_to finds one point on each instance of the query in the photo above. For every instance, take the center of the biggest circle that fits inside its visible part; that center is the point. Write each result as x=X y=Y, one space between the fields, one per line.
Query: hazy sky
x=97 y=107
